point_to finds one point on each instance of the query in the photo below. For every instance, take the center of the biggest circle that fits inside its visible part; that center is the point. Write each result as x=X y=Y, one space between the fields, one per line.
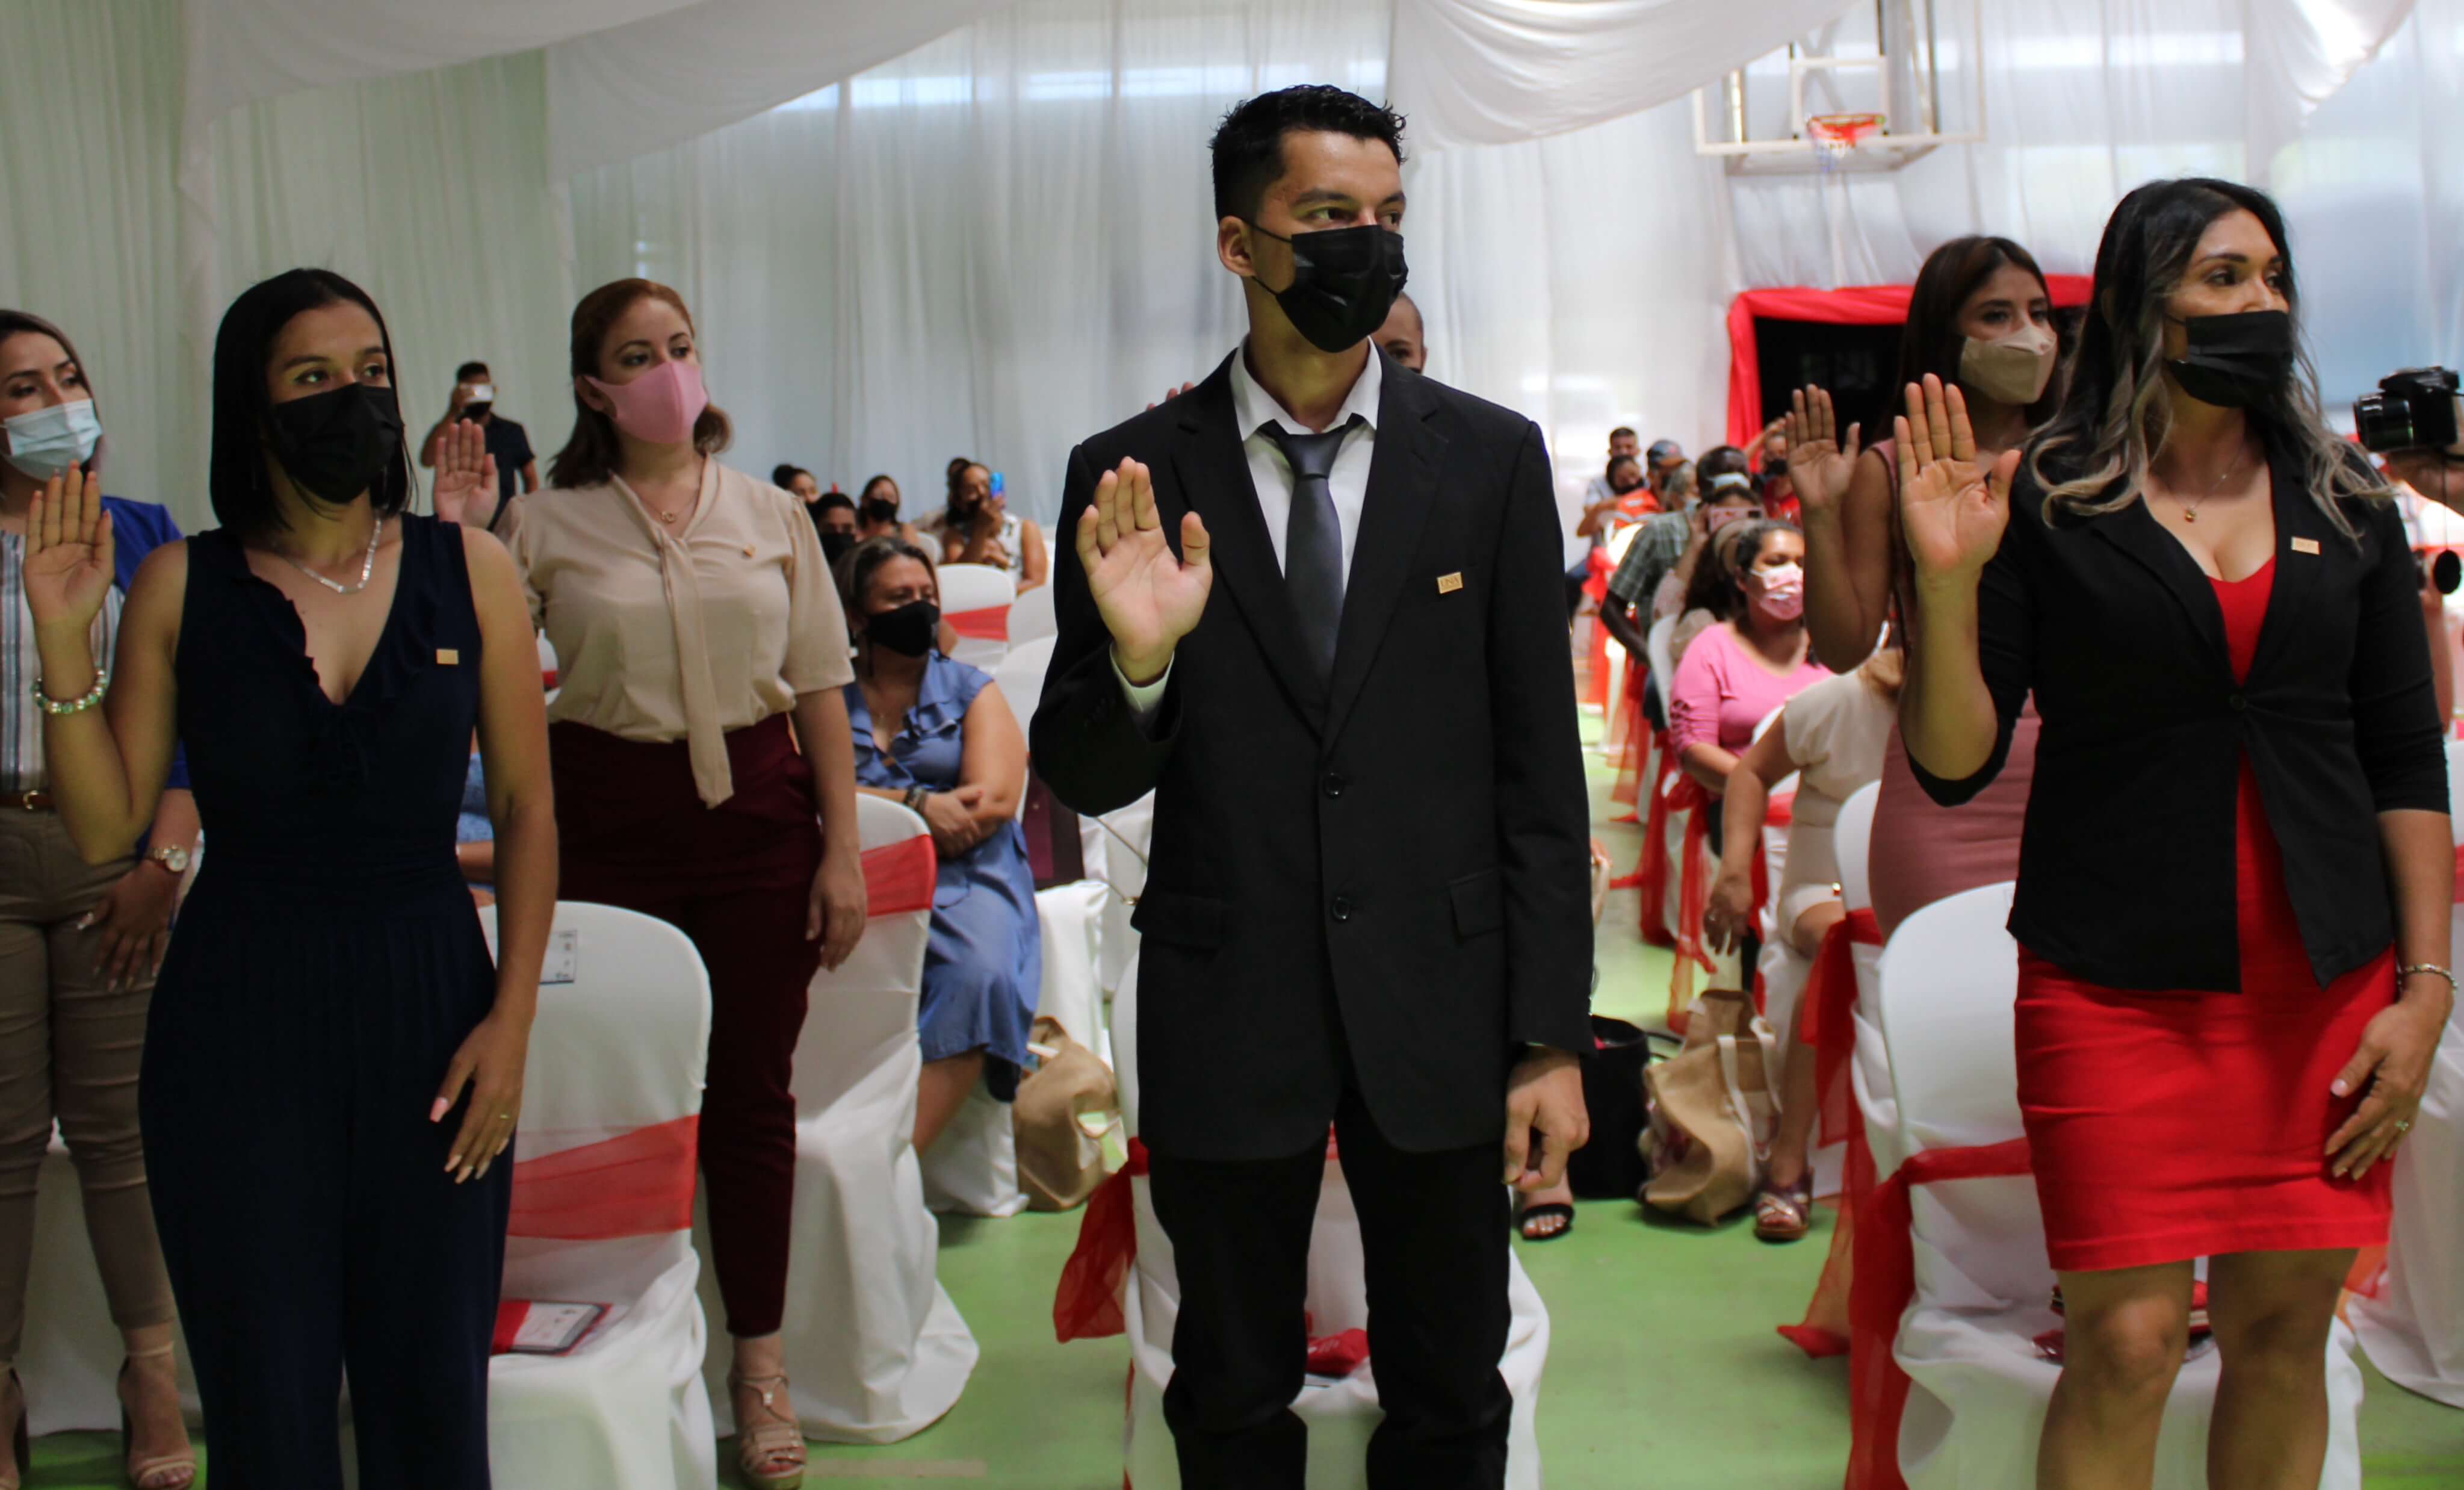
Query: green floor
x=1662 y=1366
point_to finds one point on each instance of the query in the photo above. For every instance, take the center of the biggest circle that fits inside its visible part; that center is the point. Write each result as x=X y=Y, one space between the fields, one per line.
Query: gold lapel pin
x=447 y=657
x=1449 y=584
x=2306 y=546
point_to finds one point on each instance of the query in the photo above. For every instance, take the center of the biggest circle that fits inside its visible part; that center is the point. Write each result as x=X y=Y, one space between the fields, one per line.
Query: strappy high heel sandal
x=163 y=1471
x=771 y=1455
x=24 y=1447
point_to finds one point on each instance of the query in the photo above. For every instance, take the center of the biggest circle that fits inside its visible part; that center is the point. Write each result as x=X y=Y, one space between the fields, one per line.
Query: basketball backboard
x=1899 y=75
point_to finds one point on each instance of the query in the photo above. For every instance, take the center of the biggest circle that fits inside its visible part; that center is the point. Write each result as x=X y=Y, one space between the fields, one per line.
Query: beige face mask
x=2013 y=370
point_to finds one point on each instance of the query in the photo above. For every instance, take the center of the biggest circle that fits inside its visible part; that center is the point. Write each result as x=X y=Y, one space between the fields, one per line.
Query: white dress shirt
x=1254 y=411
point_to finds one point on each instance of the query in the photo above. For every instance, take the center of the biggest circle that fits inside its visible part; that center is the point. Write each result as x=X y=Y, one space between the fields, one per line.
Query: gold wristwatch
x=171 y=856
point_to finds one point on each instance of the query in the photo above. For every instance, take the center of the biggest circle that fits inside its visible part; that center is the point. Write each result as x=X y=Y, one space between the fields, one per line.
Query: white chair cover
x=1072 y=916
x=618 y=1049
x=1020 y=674
x=1115 y=846
x=1340 y=1414
x=1852 y=838
x=969 y=588
x=2413 y=1330
x=1978 y=1394
x=876 y=1352
x=1031 y=616
x=972 y=1168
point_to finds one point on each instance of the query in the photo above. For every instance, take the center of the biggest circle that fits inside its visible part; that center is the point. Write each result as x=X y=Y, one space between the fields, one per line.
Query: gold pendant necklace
x=2190 y=510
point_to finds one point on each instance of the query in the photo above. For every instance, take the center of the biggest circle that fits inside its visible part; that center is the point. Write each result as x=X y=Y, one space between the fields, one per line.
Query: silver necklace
x=367 y=564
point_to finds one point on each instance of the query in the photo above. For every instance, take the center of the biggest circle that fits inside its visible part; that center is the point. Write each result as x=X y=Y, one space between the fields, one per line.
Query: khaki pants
x=69 y=1050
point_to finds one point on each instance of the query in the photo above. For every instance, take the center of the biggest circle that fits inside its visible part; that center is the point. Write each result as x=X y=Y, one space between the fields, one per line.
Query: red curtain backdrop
x=1861 y=305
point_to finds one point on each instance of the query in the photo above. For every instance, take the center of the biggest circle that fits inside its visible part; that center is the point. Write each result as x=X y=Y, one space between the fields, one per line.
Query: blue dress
x=984 y=966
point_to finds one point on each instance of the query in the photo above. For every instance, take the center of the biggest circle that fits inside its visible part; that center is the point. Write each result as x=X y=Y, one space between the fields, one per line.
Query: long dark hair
x=591 y=454
x=2117 y=412
x=237 y=477
x=25 y=322
x=1932 y=342
x=956 y=484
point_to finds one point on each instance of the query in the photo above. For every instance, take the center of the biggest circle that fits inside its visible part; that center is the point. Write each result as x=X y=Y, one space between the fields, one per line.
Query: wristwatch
x=171 y=856
x=915 y=796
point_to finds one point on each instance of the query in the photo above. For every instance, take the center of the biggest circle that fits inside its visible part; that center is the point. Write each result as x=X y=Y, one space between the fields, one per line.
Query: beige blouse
x=661 y=638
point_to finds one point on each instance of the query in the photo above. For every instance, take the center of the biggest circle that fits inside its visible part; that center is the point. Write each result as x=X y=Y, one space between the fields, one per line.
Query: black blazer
x=1398 y=868
x=2126 y=871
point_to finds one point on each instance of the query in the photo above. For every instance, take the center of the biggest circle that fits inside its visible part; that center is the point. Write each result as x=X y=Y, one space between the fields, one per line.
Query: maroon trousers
x=737 y=879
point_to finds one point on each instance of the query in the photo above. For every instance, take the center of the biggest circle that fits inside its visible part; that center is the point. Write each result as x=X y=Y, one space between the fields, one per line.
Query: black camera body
x=2417 y=409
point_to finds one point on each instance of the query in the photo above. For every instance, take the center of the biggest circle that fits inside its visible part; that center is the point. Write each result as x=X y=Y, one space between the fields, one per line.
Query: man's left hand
x=1545 y=1095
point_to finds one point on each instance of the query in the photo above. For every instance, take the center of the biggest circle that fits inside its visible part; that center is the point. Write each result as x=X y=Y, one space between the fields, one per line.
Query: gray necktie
x=1314 y=539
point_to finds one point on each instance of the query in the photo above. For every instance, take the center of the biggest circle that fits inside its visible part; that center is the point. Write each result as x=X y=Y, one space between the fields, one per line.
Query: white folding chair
x=1031 y=616
x=2413 y=1328
x=876 y=1352
x=615 y=1060
x=976 y=600
x=1020 y=674
x=1977 y=1401
x=1340 y=1414
x=1663 y=669
x=1115 y=846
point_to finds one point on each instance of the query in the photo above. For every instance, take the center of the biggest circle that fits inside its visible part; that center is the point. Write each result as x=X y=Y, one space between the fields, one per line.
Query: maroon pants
x=737 y=879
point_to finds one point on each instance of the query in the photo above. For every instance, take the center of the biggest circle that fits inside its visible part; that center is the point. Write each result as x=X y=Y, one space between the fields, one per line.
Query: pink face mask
x=661 y=406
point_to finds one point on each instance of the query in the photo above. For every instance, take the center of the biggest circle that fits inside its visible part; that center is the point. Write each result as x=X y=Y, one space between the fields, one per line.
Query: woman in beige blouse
x=698 y=728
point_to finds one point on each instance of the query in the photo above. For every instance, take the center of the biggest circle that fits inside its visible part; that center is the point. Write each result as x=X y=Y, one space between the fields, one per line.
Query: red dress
x=2167 y=1127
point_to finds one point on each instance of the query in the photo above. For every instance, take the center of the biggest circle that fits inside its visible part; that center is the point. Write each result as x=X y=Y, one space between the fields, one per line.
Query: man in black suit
x=1368 y=899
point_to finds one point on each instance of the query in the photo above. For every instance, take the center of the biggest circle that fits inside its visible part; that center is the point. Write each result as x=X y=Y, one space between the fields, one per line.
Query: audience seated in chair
x=977 y=528
x=937 y=736
x=1831 y=737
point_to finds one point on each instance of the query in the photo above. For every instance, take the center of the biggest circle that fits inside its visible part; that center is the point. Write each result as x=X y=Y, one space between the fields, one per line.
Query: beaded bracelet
x=93 y=696
x=2441 y=973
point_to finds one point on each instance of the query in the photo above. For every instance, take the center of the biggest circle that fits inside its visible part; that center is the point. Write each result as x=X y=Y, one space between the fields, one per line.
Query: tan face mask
x=2013 y=370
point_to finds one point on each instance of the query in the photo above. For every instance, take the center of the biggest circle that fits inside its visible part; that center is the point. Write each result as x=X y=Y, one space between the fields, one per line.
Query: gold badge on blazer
x=1449 y=584
x=2306 y=546
x=447 y=657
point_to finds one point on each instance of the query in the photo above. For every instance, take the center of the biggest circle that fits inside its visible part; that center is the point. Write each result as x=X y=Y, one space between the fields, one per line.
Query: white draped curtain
x=992 y=236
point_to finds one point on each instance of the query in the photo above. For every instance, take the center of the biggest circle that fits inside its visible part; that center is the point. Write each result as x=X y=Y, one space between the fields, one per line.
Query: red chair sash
x=637 y=1184
x=989 y=624
x=1826 y=1023
x=1877 y=1388
x=1650 y=875
x=1086 y=1305
x=898 y=878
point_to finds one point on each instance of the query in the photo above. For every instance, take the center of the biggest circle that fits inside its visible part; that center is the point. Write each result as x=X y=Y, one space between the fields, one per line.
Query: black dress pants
x=1434 y=1230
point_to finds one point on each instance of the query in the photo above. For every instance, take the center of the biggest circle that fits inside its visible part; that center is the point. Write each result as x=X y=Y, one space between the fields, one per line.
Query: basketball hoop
x=1836 y=136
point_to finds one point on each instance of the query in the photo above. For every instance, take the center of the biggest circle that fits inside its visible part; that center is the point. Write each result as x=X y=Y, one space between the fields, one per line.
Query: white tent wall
x=428 y=190
x=994 y=246
x=1001 y=241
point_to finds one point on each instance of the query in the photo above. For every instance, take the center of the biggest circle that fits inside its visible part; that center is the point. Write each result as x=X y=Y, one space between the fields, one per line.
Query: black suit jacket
x=1397 y=869
x=2126 y=871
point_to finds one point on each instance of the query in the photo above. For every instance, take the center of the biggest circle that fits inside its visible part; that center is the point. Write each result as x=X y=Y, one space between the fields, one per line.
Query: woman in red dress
x=2236 y=876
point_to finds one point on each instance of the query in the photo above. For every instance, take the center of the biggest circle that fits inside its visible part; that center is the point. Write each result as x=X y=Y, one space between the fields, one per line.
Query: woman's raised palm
x=1820 y=460
x=1951 y=510
x=1148 y=597
x=68 y=551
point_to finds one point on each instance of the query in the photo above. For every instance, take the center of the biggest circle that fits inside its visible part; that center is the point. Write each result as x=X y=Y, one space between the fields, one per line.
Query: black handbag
x=1611 y=1166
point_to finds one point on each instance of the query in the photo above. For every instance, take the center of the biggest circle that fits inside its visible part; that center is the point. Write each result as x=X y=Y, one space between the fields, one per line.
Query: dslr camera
x=2417 y=409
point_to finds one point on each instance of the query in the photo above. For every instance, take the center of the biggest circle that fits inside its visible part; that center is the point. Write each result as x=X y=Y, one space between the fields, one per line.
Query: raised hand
x=466 y=475
x=68 y=552
x=1820 y=460
x=1171 y=393
x=1149 y=598
x=1951 y=511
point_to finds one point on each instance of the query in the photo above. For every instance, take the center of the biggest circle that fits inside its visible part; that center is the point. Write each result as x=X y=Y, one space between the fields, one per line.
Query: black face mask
x=879 y=510
x=834 y=546
x=335 y=445
x=1344 y=281
x=2236 y=361
x=910 y=631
